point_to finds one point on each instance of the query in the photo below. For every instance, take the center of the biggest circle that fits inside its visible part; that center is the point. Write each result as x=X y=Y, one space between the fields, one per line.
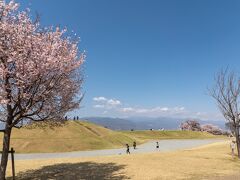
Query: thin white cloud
x=115 y=107
x=103 y=102
x=99 y=106
x=179 y=108
x=113 y=102
x=207 y=115
x=128 y=109
x=152 y=111
x=105 y=112
x=164 y=109
x=99 y=99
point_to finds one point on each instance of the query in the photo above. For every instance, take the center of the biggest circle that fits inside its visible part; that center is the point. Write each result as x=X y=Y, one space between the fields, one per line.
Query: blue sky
x=149 y=58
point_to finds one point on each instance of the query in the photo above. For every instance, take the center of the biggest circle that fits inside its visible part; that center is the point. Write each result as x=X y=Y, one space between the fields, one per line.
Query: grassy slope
x=71 y=137
x=87 y=136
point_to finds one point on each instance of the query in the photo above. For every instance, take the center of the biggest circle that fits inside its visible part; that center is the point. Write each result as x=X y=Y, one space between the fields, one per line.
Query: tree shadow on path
x=76 y=171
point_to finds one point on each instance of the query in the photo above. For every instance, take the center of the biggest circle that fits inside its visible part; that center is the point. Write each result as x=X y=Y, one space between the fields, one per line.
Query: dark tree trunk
x=4 y=158
x=238 y=141
x=238 y=147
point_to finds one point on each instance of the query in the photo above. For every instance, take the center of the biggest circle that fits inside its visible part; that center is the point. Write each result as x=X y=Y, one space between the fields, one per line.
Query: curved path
x=164 y=146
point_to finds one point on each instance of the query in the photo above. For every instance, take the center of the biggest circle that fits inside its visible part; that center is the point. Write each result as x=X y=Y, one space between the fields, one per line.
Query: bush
x=191 y=125
x=212 y=129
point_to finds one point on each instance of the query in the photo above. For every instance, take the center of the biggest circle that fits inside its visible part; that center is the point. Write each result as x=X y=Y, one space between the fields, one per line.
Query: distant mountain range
x=143 y=123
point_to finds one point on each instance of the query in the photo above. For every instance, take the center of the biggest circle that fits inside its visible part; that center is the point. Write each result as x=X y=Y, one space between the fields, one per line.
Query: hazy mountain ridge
x=112 y=123
x=142 y=123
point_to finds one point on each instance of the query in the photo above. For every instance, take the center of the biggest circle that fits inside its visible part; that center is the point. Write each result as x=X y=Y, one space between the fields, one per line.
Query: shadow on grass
x=76 y=171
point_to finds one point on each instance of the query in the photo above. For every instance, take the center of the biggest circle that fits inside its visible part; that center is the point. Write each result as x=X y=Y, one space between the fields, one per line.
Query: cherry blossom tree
x=40 y=73
x=212 y=129
x=191 y=125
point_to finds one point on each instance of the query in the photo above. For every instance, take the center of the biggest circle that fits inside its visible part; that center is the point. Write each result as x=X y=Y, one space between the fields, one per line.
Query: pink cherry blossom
x=40 y=71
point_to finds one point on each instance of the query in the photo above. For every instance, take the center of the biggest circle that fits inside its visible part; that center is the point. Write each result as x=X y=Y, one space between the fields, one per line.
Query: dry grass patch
x=74 y=136
x=82 y=135
x=200 y=163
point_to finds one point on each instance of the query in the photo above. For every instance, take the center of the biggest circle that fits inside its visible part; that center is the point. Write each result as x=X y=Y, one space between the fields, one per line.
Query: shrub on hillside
x=191 y=125
x=212 y=129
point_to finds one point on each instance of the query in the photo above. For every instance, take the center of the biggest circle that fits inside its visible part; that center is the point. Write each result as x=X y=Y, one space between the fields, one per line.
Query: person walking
x=134 y=145
x=157 y=145
x=127 y=151
x=232 y=146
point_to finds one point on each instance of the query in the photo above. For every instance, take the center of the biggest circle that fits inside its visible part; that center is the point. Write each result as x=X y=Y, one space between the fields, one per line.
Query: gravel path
x=164 y=146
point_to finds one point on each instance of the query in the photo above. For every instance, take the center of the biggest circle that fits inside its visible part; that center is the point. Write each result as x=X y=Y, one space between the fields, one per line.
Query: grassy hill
x=82 y=135
x=73 y=136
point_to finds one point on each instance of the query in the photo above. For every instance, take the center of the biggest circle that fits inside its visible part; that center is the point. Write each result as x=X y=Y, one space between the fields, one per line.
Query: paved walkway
x=164 y=146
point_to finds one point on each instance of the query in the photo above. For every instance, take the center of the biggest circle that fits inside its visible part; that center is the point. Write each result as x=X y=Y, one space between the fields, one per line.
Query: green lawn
x=176 y=134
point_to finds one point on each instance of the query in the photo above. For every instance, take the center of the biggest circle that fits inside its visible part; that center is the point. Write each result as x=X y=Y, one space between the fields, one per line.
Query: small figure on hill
x=232 y=145
x=74 y=118
x=127 y=151
x=157 y=145
x=134 y=145
x=77 y=118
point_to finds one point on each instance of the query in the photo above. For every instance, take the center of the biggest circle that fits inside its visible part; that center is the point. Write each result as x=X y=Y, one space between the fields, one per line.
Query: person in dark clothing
x=127 y=151
x=134 y=145
x=157 y=145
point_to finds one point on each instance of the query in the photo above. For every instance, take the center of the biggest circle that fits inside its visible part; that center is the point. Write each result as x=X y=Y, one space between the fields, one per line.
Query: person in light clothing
x=232 y=146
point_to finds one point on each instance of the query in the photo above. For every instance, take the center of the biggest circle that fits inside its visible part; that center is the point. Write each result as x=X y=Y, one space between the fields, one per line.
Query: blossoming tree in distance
x=40 y=73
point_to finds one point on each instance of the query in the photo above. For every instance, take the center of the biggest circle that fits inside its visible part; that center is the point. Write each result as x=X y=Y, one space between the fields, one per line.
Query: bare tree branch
x=226 y=92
